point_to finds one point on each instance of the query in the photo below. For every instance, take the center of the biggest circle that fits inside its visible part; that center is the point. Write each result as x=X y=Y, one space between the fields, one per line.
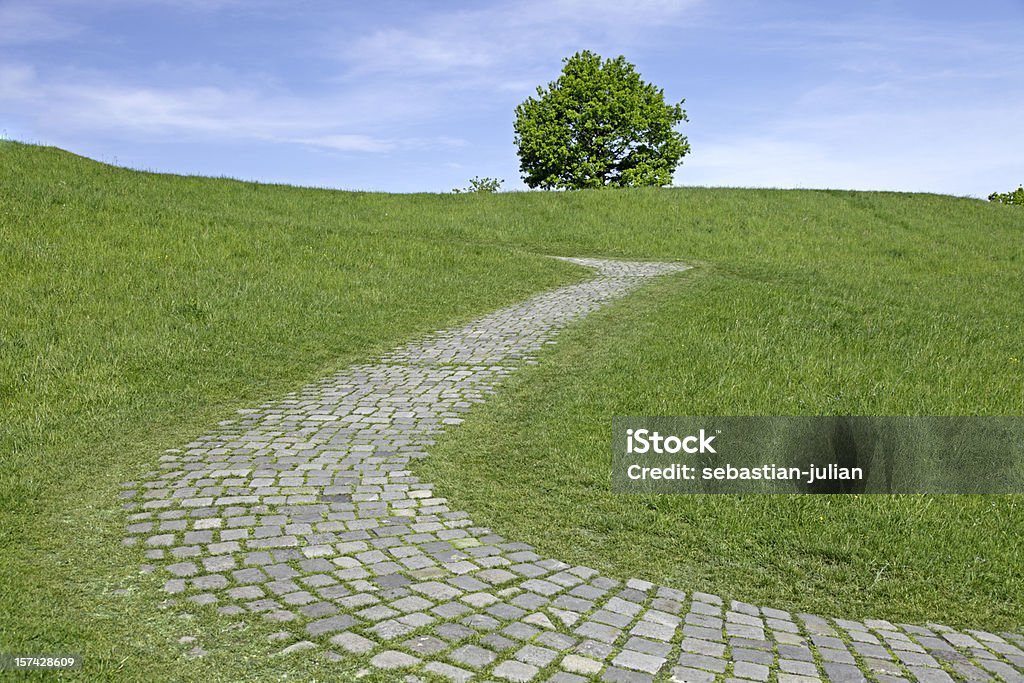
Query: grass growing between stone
x=137 y=310
x=802 y=303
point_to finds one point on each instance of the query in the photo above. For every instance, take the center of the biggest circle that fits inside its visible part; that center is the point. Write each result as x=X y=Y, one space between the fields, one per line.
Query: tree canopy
x=599 y=125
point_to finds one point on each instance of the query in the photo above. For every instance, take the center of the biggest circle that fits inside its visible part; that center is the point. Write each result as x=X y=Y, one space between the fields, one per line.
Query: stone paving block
x=556 y=641
x=540 y=620
x=390 y=629
x=581 y=665
x=318 y=609
x=616 y=675
x=513 y=670
x=472 y=656
x=970 y=672
x=417 y=619
x=594 y=649
x=246 y=593
x=1003 y=670
x=843 y=673
x=535 y=655
x=573 y=603
x=870 y=650
x=496 y=576
x=620 y=606
x=596 y=631
x=204 y=599
x=702 y=647
x=695 y=661
x=284 y=586
x=498 y=643
x=450 y=610
x=449 y=672
x=356 y=601
x=339 y=622
x=702 y=632
x=929 y=674
x=481 y=622
x=411 y=603
x=505 y=611
x=797 y=652
x=588 y=592
x=751 y=671
x=682 y=674
x=520 y=631
x=650 y=629
x=615 y=619
x=352 y=642
x=797 y=678
x=766 y=645
x=756 y=656
x=916 y=659
x=454 y=632
x=795 y=666
x=883 y=666
x=393 y=659
x=528 y=601
x=183 y=569
x=638 y=661
x=565 y=677
x=209 y=582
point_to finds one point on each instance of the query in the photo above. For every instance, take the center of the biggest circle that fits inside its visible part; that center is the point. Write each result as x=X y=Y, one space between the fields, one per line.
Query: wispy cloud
x=80 y=103
x=365 y=143
x=503 y=43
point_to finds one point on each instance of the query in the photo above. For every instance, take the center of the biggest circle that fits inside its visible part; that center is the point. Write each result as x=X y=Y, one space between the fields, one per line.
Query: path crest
x=303 y=511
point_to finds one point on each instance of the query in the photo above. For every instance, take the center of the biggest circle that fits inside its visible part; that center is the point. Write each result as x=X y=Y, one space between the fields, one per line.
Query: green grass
x=802 y=303
x=137 y=309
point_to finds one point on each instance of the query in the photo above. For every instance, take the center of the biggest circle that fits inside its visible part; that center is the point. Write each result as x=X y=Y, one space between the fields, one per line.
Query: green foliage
x=599 y=125
x=478 y=184
x=1015 y=198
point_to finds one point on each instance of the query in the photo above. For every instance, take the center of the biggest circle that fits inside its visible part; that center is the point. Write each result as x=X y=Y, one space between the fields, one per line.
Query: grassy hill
x=137 y=309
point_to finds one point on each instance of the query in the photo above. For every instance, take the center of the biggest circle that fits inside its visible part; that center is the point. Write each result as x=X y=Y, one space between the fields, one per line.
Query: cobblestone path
x=303 y=512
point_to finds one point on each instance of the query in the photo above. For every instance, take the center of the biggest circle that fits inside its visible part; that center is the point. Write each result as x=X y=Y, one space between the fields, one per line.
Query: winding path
x=303 y=511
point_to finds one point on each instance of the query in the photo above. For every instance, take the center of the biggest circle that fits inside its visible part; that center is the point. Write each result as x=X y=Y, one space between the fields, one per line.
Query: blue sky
x=419 y=96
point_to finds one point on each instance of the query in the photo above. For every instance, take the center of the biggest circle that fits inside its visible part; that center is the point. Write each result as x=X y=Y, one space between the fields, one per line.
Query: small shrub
x=478 y=184
x=1015 y=198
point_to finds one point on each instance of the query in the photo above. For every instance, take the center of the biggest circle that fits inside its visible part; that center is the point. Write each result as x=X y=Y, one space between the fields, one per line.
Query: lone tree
x=598 y=125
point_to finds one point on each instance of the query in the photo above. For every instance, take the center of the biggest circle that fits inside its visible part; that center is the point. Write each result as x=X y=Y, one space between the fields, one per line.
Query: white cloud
x=80 y=103
x=505 y=43
x=935 y=149
x=349 y=143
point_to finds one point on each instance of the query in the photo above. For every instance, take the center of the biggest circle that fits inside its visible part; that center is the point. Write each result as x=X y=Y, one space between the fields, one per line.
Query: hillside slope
x=138 y=308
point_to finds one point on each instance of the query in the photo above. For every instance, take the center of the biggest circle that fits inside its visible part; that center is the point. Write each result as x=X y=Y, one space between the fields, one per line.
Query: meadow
x=137 y=309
